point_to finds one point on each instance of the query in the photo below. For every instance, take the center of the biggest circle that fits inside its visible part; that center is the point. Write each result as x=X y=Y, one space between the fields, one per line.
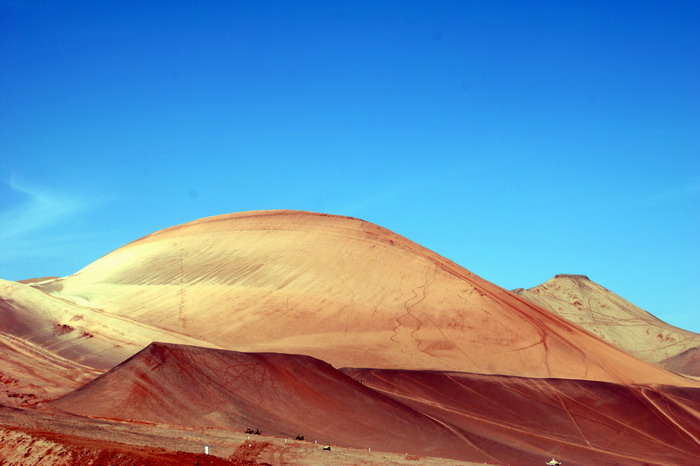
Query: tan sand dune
x=340 y=289
x=37 y=279
x=599 y=310
x=84 y=334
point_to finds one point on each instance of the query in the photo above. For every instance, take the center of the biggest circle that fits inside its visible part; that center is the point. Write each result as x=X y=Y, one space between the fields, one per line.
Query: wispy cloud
x=41 y=209
x=36 y=235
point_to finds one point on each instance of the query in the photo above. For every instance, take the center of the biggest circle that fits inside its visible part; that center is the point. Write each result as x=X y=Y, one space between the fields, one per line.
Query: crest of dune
x=342 y=290
x=602 y=312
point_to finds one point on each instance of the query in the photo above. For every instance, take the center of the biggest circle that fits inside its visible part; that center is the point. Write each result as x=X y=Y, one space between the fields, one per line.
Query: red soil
x=35 y=438
x=279 y=394
x=30 y=374
x=521 y=420
x=23 y=446
x=457 y=415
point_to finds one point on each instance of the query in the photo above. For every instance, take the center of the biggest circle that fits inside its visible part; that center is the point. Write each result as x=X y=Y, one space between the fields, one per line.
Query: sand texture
x=473 y=417
x=339 y=330
x=339 y=289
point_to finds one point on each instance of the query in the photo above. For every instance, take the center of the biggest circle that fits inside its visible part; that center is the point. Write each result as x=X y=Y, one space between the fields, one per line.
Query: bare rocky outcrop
x=572 y=276
x=602 y=312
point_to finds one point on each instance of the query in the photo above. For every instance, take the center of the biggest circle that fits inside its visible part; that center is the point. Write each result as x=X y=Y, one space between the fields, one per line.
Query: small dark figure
x=257 y=432
x=300 y=437
x=327 y=448
x=249 y=431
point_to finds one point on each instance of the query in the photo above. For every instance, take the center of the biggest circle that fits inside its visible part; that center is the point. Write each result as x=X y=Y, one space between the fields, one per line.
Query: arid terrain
x=612 y=318
x=297 y=323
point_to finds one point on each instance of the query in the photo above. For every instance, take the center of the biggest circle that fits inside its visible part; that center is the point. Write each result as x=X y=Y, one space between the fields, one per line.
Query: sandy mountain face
x=30 y=374
x=339 y=289
x=49 y=346
x=279 y=394
x=460 y=367
x=519 y=420
x=483 y=418
x=602 y=312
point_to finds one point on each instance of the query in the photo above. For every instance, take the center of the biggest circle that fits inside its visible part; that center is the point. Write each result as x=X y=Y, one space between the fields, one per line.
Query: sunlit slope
x=49 y=345
x=30 y=374
x=343 y=290
x=599 y=310
x=85 y=334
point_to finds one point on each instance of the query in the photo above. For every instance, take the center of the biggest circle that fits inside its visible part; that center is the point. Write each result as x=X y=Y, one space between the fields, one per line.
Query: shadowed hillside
x=457 y=415
x=280 y=394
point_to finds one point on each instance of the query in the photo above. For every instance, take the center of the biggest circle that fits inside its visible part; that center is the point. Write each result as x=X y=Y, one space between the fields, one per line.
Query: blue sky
x=519 y=139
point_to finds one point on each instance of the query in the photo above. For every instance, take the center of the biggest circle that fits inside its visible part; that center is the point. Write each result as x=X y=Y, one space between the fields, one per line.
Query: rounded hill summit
x=342 y=290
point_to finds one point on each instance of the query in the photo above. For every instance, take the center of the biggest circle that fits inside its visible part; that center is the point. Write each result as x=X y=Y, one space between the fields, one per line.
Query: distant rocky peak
x=572 y=276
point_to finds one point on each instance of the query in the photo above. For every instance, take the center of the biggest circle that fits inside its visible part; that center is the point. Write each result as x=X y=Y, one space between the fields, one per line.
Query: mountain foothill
x=317 y=330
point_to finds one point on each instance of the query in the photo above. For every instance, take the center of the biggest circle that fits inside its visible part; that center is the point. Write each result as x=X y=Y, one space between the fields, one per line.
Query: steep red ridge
x=279 y=394
x=465 y=416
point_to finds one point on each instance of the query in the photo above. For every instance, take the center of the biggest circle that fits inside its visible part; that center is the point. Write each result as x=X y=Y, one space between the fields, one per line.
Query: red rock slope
x=340 y=289
x=602 y=312
x=279 y=394
x=30 y=374
x=524 y=421
x=49 y=346
x=471 y=417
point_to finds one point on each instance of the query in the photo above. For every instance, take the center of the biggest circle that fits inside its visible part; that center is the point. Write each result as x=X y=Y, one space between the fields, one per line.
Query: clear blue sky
x=519 y=139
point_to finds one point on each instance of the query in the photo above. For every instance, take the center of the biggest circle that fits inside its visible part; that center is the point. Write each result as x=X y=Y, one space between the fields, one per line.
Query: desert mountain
x=280 y=394
x=50 y=346
x=461 y=367
x=83 y=334
x=493 y=419
x=599 y=310
x=339 y=289
x=30 y=374
x=521 y=420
